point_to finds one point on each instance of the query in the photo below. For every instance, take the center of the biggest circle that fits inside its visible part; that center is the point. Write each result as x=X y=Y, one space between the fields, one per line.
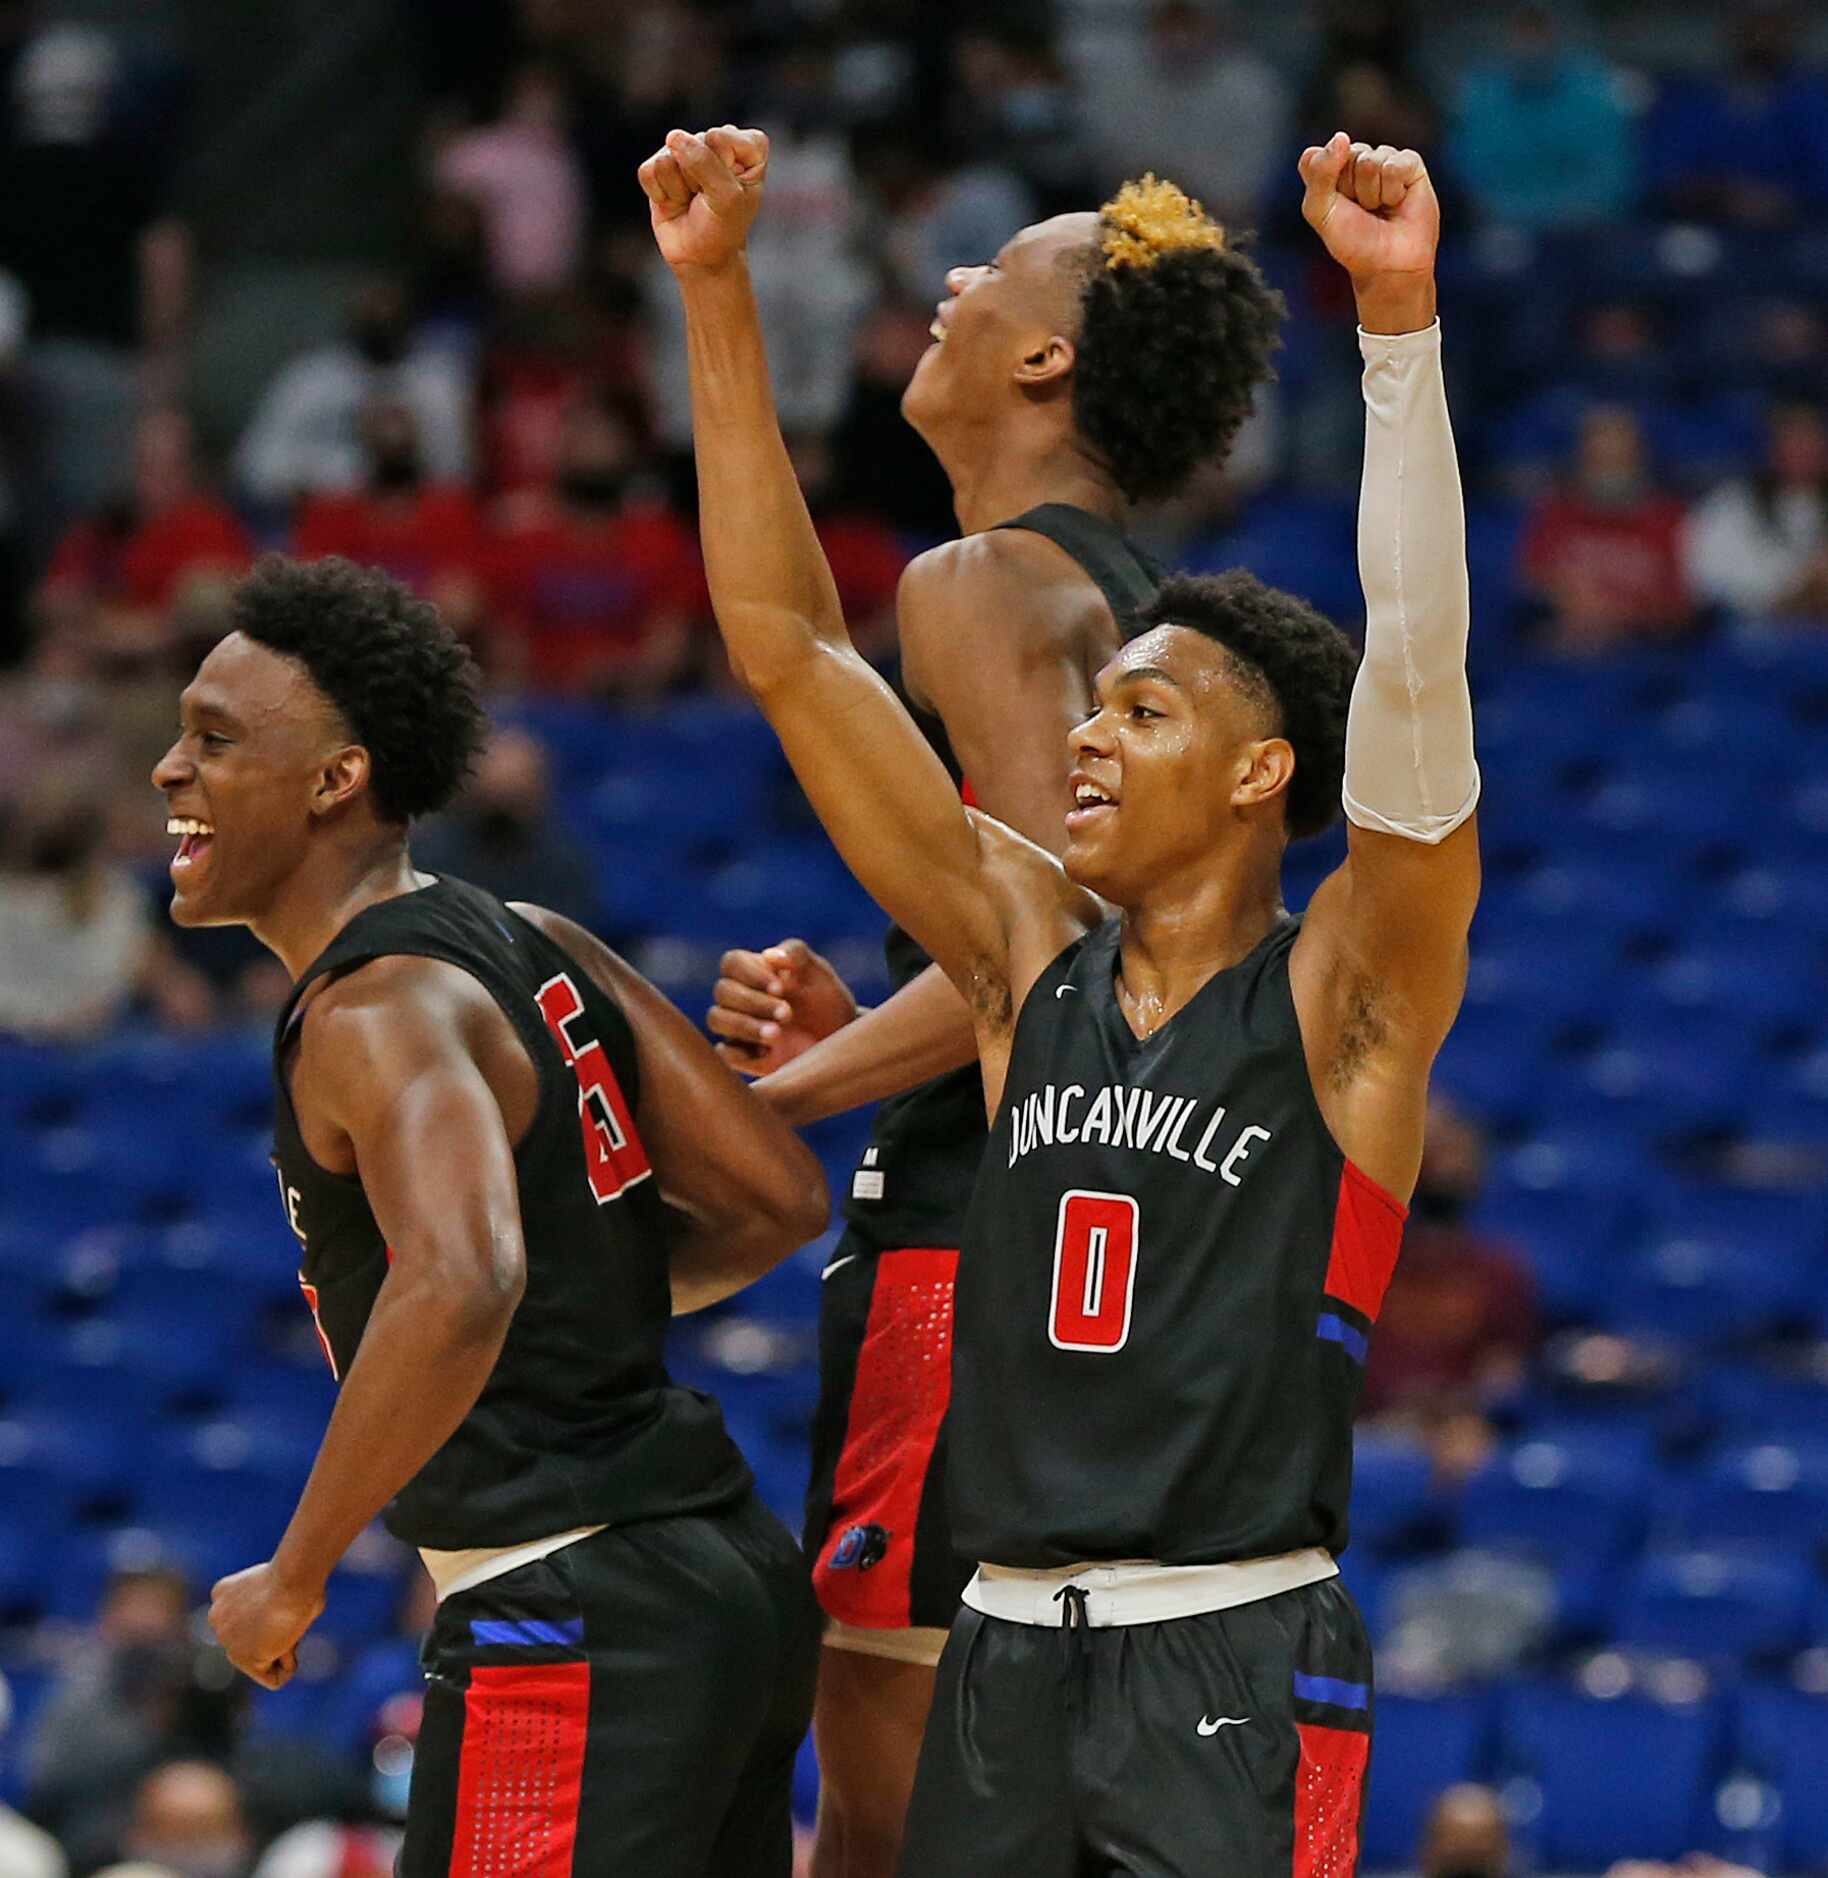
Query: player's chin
x=1085 y=865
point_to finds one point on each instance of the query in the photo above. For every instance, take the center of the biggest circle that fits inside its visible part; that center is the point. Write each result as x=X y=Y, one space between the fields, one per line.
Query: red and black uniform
x=877 y=1531
x=634 y=1700
x=1170 y=1278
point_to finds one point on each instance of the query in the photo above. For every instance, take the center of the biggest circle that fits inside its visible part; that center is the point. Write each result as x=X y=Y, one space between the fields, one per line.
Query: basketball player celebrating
x=1097 y=360
x=1207 y=1114
x=507 y=1160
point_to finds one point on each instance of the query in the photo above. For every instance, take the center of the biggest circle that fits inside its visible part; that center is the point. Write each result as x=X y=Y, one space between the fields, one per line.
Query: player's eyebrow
x=1141 y=674
x=193 y=709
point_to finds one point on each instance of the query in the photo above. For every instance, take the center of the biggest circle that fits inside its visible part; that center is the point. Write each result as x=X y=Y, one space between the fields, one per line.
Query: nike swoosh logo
x=1224 y=1721
x=1060 y=991
x=837 y=1265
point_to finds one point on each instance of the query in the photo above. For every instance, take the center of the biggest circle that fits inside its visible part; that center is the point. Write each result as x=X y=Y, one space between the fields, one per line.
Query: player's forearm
x=924 y=1030
x=424 y=1359
x=1410 y=769
x=771 y=588
x=713 y=1259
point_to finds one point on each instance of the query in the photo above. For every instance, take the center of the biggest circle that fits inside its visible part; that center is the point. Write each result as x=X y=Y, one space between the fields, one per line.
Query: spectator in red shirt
x=427 y=535
x=1459 y=1322
x=597 y=587
x=122 y=583
x=1603 y=554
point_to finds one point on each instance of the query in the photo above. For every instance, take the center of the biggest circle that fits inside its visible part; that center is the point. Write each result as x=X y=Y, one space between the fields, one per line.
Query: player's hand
x=702 y=194
x=770 y=1006
x=259 y=1620
x=1374 y=208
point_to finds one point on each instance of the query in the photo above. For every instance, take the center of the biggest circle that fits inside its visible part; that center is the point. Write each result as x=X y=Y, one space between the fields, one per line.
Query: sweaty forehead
x=260 y=689
x=1193 y=663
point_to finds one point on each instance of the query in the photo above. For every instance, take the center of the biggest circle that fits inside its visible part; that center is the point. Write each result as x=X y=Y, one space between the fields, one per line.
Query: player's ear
x=345 y=774
x=1268 y=769
x=1048 y=364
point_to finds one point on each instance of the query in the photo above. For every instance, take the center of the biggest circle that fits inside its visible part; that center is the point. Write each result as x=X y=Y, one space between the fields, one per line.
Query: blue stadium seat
x=1629 y=1777
x=1751 y=1402
x=380 y=1670
x=1752 y=1495
x=1783 y=1738
x=1571 y=1238
x=1716 y=1606
x=1559 y=1501
x=1392 y=1491
x=1423 y=1745
x=1709 y=1293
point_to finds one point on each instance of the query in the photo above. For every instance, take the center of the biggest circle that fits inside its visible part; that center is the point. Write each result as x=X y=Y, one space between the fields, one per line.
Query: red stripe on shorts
x=1329 y=1794
x=1367 y=1236
x=522 y=1770
x=904 y=1381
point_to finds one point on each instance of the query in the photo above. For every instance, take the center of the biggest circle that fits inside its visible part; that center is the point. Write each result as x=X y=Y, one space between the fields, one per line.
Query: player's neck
x=1001 y=470
x=327 y=892
x=1187 y=929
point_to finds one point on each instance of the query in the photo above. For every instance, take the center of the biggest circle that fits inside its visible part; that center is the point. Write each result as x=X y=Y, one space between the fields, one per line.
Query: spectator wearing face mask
x=305 y=436
x=598 y=583
x=1603 y=553
x=1760 y=546
x=114 y=598
x=187 y=1818
x=1459 y=1321
x=502 y=837
x=77 y=943
x=427 y=534
x=116 y=1710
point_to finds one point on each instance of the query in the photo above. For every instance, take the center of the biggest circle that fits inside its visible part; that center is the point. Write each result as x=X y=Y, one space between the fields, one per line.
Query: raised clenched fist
x=1374 y=208
x=703 y=190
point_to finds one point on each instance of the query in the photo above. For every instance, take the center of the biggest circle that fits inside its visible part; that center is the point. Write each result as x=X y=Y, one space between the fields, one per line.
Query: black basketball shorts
x=877 y=1536
x=632 y=1703
x=1233 y=1744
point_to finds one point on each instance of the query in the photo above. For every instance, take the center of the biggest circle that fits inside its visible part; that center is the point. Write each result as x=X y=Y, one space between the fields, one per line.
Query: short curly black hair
x=1177 y=330
x=1302 y=664
x=400 y=678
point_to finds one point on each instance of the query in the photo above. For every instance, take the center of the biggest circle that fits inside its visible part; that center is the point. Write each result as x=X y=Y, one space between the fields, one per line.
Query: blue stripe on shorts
x=532 y=1634
x=1331 y=1689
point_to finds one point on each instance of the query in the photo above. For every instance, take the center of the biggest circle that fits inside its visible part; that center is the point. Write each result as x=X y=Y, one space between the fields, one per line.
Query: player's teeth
x=185 y=825
x=938 y=332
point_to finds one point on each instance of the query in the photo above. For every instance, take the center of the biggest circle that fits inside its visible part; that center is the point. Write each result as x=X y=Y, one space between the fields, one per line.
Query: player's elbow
x=494 y=1282
x=795 y=1204
x=772 y=650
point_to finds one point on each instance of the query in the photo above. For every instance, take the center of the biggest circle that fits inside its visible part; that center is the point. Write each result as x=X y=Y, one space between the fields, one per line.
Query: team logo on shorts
x=861 y=1546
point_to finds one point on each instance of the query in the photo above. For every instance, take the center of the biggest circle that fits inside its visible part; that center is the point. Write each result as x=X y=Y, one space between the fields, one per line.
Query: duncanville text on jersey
x=1120 y=1117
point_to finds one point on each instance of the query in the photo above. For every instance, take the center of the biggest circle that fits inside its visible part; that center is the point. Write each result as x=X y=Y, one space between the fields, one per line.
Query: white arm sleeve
x=1409 y=734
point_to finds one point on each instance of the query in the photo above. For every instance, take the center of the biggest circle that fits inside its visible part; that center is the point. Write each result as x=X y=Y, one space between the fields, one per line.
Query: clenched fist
x=1377 y=213
x=702 y=193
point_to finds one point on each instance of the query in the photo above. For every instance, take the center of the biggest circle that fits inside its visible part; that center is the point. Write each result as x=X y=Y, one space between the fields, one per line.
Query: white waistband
x=1138 y=1591
x=464 y=1571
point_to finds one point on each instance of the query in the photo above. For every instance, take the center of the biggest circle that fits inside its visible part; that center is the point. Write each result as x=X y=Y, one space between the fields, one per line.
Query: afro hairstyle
x=1177 y=330
x=1299 y=663
x=400 y=679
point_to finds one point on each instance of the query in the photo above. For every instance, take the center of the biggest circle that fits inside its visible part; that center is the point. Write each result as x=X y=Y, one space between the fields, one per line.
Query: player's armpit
x=748 y=1188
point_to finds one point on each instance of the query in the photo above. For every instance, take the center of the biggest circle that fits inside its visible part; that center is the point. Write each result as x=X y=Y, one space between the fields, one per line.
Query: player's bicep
x=431 y=1146
x=890 y=808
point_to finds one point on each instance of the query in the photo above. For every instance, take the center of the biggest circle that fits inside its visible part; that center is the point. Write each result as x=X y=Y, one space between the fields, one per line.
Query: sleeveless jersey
x=916 y=1174
x=578 y=1424
x=1169 y=1277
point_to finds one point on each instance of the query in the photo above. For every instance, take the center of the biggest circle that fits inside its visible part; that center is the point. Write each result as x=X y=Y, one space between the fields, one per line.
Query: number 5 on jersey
x=613 y=1155
x=1094 y=1272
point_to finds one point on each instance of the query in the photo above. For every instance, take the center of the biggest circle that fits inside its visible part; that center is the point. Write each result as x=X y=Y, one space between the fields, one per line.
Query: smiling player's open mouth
x=194 y=839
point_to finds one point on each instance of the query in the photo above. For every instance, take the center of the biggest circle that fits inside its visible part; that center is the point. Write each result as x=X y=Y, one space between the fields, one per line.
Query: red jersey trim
x=1367 y=1236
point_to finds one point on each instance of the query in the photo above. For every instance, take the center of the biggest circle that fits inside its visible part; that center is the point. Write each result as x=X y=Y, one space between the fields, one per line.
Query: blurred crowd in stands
x=1638 y=287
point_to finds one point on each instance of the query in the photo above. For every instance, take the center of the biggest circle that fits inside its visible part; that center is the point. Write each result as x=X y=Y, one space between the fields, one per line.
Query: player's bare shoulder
x=1006 y=584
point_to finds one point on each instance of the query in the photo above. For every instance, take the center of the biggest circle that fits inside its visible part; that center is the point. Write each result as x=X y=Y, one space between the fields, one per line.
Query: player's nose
x=170 y=770
x=961 y=277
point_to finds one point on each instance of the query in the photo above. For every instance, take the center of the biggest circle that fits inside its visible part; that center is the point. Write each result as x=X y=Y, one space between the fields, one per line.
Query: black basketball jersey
x=915 y=1179
x=1169 y=1276
x=578 y=1423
